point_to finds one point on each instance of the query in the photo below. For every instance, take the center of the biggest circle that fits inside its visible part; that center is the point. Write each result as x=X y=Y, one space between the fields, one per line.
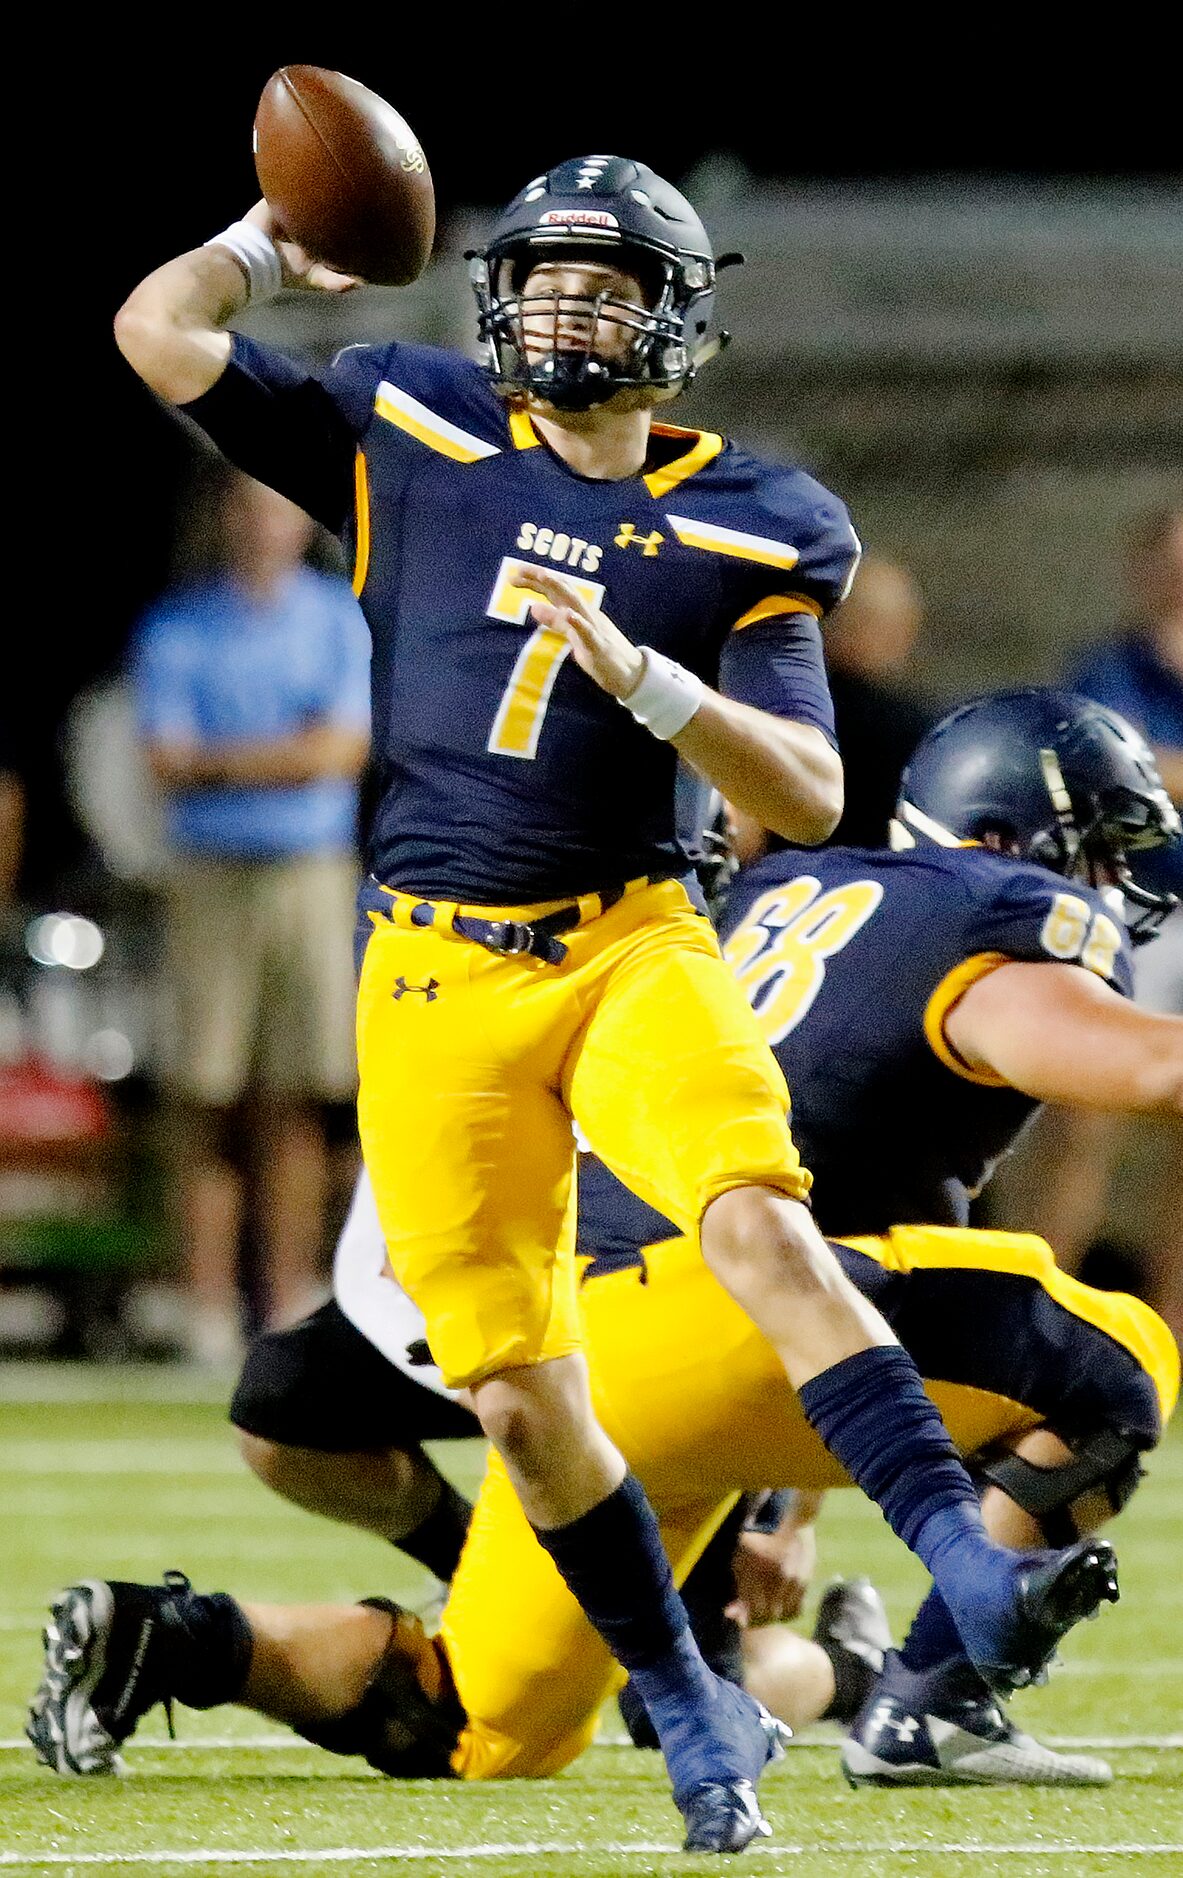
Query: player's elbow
x=170 y=360
x=1168 y=1081
x=144 y=343
x=810 y=808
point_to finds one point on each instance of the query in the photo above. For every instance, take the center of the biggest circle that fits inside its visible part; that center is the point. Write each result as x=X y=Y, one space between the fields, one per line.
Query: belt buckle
x=510 y=936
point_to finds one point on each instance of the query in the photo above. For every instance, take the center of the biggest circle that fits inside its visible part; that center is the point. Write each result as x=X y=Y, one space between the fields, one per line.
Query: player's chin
x=628 y=398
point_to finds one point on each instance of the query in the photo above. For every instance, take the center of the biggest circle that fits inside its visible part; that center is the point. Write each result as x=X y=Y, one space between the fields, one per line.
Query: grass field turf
x=125 y=1473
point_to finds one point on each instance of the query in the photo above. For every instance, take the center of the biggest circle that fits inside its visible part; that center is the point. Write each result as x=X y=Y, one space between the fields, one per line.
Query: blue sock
x=613 y=1561
x=933 y=1638
x=934 y=1653
x=873 y=1415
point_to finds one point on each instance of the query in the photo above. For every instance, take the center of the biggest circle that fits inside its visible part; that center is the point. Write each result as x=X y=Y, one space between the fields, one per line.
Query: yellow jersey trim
x=406 y=413
x=705 y=449
x=952 y=988
x=733 y=541
x=361 y=503
x=522 y=432
x=776 y=605
x=1129 y=1321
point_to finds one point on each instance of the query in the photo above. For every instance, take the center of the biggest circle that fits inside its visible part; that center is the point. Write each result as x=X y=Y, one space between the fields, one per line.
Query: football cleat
x=902 y=1740
x=722 y=1813
x=101 y=1671
x=1055 y=1591
x=723 y=1818
x=852 y=1628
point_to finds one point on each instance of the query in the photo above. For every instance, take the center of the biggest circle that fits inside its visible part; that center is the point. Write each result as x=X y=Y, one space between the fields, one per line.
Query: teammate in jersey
x=555 y=588
x=1018 y=1354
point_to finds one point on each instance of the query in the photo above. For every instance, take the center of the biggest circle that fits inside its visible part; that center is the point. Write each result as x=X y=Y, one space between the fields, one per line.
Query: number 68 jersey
x=852 y=959
x=506 y=775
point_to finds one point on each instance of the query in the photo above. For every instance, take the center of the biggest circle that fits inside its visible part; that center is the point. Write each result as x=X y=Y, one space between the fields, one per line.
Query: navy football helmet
x=597 y=208
x=1049 y=777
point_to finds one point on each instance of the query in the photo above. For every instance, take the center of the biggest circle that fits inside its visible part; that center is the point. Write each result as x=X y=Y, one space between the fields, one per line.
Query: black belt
x=509 y=938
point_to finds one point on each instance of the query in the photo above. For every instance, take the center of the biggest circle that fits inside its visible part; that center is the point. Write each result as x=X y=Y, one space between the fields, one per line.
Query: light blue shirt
x=213 y=663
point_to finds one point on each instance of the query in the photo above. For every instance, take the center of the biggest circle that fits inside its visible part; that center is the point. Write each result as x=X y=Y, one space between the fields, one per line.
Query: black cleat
x=102 y=1671
x=851 y=1627
x=1053 y=1596
x=723 y=1818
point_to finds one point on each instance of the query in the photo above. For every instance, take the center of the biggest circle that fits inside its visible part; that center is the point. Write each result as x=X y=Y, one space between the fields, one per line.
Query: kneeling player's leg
x=326 y=1421
x=678 y=1092
x=357 y=1679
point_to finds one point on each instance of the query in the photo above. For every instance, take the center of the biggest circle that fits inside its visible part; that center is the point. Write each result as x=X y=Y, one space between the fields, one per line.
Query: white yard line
x=201 y=1744
x=533 y=1848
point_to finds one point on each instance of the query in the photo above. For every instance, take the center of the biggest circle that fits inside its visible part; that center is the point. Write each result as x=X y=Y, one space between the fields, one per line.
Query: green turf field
x=125 y=1473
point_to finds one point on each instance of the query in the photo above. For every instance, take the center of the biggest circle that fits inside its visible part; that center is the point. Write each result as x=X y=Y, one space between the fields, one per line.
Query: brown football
x=344 y=175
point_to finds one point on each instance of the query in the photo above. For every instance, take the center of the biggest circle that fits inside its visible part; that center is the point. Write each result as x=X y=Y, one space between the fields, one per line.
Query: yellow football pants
x=699 y=1405
x=472 y=1067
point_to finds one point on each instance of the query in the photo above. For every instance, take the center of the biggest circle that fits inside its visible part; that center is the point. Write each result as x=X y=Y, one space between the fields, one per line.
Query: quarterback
x=1011 y=811
x=564 y=596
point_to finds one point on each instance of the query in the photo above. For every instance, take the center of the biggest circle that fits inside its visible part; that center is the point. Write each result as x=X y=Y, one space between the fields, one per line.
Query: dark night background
x=162 y=149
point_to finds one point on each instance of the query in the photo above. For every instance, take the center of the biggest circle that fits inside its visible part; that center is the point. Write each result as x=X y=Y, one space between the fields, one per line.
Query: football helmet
x=615 y=210
x=1049 y=777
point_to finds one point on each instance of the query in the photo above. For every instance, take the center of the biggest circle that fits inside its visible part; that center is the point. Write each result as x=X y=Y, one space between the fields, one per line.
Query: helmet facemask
x=549 y=345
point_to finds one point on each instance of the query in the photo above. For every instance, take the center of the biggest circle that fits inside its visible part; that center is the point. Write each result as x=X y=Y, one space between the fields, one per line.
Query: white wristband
x=257 y=254
x=667 y=696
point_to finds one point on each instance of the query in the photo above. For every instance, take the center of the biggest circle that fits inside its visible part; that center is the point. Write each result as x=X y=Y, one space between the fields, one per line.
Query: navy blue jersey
x=852 y=959
x=505 y=774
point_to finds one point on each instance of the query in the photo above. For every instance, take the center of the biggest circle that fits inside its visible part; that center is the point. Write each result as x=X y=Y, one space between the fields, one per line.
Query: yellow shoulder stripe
x=1129 y=1321
x=775 y=607
x=406 y=413
x=361 y=501
x=705 y=449
x=953 y=986
x=733 y=541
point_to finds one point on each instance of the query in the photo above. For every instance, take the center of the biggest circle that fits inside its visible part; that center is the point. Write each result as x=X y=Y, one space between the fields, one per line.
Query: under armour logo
x=904 y=1730
x=648 y=544
x=428 y=992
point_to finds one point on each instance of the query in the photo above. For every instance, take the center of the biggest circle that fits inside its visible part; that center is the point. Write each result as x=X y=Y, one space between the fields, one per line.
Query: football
x=344 y=175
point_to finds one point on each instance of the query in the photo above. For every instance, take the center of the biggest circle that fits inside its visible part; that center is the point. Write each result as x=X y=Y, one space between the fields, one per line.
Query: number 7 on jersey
x=518 y=723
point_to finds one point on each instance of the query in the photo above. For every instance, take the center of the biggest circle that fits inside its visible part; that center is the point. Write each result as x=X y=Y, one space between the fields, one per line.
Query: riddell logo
x=579 y=218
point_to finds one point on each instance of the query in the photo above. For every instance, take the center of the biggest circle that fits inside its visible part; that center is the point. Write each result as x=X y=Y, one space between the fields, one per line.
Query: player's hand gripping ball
x=344 y=175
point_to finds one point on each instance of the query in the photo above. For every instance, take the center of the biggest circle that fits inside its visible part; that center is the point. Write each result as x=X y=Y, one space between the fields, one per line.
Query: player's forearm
x=315 y=755
x=1061 y=1034
x=785 y=775
x=171 y=327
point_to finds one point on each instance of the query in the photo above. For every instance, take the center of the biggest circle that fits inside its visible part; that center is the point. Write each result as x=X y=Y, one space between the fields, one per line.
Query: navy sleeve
x=817 y=523
x=1036 y=917
x=777 y=665
x=280 y=423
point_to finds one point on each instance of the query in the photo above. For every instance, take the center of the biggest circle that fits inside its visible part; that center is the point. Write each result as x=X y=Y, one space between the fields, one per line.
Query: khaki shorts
x=260 y=978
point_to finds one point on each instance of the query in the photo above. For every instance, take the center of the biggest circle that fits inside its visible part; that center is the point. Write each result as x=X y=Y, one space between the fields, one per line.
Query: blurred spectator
x=1086 y=1160
x=879 y=722
x=252 y=694
x=12 y=811
x=12 y=825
